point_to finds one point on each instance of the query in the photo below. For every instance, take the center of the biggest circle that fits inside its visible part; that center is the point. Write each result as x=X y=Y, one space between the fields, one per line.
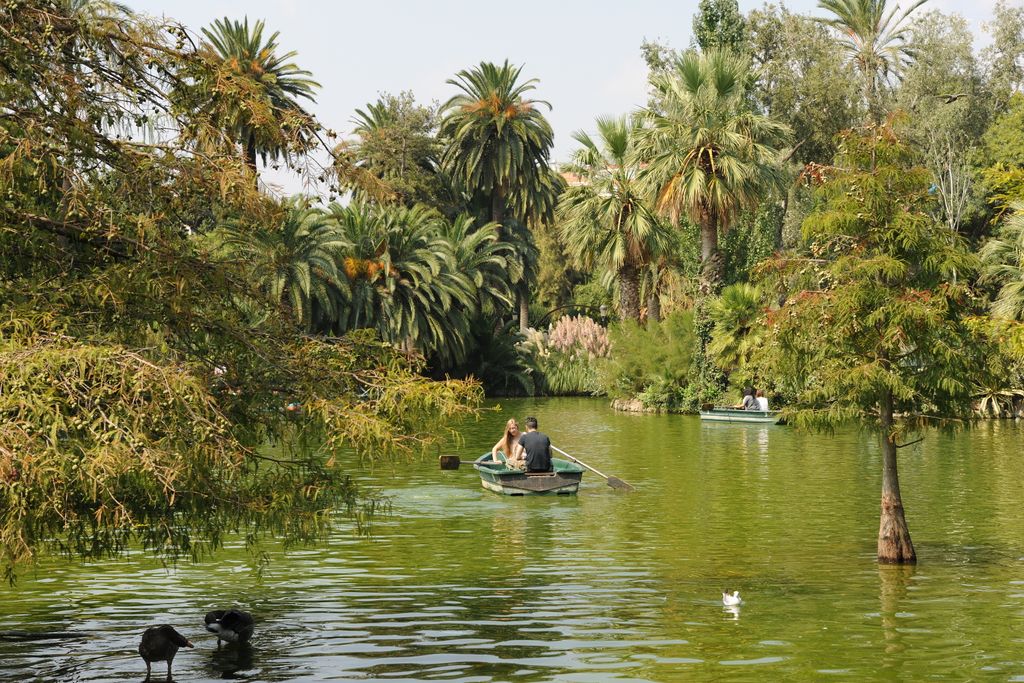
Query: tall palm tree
x=608 y=219
x=498 y=145
x=875 y=37
x=254 y=99
x=294 y=263
x=707 y=155
x=1003 y=256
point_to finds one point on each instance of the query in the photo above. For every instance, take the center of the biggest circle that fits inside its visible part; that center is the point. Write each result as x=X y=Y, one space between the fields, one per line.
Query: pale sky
x=585 y=54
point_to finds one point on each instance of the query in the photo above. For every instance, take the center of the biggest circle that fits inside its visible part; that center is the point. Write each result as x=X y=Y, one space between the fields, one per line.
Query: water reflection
x=464 y=585
x=893 y=585
x=232 y=661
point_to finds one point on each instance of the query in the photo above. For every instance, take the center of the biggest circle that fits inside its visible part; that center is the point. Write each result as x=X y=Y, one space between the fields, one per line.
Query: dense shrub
x=651 y=362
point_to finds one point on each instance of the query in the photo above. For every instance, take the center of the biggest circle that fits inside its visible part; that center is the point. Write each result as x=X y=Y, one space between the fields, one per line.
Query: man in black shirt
x=537 y=446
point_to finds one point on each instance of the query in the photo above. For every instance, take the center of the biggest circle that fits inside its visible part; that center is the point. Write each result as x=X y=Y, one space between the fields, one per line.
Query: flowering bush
x=572 y=334
x=563 y=357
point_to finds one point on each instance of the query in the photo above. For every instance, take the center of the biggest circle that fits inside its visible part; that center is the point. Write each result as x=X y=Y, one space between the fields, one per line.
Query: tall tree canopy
x=719 y=24
x=251 y=95
x=875 y=36
x=396 y=154
x=708 y=155
x=497 y=149
x=802 y=80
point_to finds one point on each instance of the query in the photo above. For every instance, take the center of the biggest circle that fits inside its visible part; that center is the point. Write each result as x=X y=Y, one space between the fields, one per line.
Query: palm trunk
x=710 y=379
x=711 y=263
x=498 y=216
x=249 y=157
x=871 y=95
x=524 y=309
x=629 y=293
x=782 y=222
x=498 y=210
x=654 y=306
x=894 y=544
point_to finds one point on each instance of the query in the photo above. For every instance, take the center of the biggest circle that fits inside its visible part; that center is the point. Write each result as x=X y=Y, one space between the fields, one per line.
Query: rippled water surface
x=459 y=584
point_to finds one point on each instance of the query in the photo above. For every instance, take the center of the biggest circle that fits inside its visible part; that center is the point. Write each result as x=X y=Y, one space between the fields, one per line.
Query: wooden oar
x=452 y=462
x=614 y=482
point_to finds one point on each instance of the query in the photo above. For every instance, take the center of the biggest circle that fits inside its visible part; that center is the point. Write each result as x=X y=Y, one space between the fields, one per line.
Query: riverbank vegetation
x=827 y=207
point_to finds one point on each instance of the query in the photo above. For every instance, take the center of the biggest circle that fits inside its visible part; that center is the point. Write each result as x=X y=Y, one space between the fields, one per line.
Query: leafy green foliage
x=879 y=313
x=396 y=154
x=1004 y=57
x=719 y=24
x=802 y=81
x=1003 y=258
x=656 y=355
x=140 y=375
x=1002 y=157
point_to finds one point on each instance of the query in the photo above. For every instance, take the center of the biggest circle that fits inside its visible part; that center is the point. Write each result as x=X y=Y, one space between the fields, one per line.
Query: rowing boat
x=498 y=477
x=720 y=414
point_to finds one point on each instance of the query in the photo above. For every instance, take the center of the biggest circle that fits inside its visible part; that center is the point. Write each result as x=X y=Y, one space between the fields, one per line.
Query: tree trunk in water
x=629 y=293
x=524 y=310
x=654 y=307
x=894 y=545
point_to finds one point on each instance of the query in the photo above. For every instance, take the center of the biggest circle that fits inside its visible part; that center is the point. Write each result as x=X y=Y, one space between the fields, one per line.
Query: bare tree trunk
x=894 y=544
x=629 y=293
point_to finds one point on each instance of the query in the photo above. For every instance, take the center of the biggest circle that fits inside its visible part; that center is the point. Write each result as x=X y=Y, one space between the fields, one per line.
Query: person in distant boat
x=535 y=448
x=762 y=402
x=507 y=445
x=749 y=402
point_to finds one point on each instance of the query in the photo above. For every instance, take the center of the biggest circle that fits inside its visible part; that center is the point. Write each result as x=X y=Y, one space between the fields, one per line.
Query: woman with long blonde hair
x=507 y=444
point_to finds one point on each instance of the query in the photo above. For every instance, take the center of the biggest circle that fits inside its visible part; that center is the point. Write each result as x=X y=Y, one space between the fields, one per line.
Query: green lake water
x=459 y=584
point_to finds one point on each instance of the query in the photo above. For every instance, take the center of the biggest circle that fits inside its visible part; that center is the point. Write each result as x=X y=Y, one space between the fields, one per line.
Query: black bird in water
x=233 y=625
x=160 y=644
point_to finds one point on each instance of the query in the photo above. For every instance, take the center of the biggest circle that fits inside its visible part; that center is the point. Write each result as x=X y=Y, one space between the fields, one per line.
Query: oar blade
x=617 y=483
x=449 y=462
